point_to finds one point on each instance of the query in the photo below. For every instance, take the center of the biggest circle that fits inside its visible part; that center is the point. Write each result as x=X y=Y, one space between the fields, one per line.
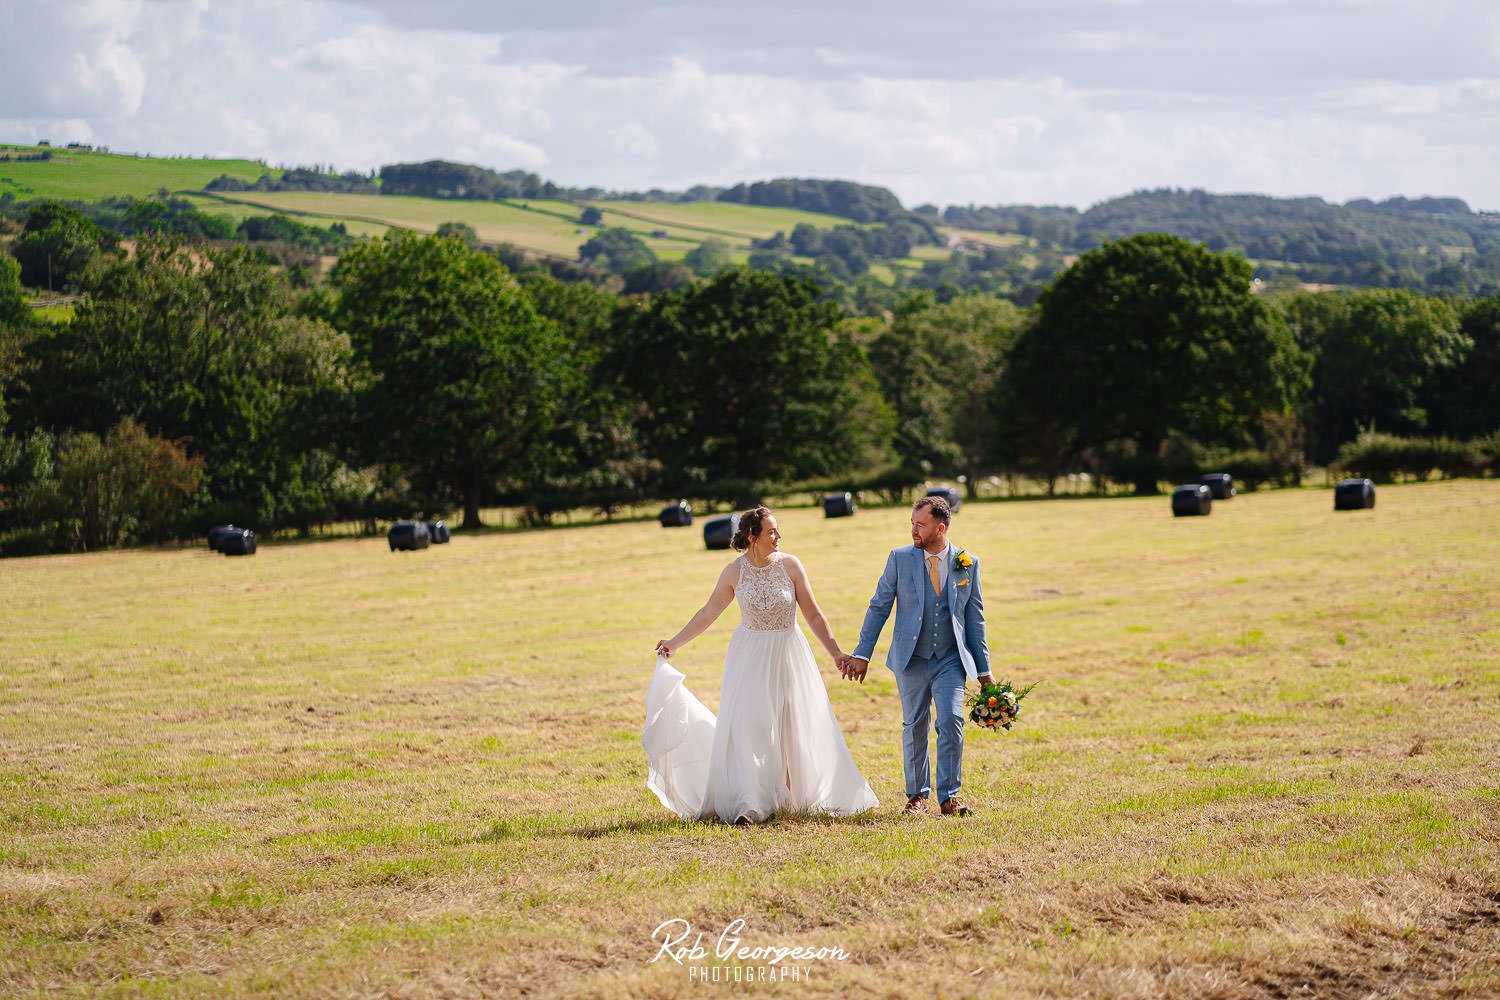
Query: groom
x=937 y=645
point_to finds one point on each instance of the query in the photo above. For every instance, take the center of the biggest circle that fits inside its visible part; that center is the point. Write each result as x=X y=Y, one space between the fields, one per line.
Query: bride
x=776 y=745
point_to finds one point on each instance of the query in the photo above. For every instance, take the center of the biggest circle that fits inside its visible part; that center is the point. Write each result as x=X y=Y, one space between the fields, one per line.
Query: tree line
x=1438 y=245
x=58 y=241
x=197 y=384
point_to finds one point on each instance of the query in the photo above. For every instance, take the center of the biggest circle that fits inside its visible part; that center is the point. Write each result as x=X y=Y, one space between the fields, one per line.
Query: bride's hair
x=749 y=528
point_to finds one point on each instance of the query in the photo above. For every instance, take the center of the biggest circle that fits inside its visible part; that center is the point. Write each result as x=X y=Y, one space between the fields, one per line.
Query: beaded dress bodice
x=768 y=601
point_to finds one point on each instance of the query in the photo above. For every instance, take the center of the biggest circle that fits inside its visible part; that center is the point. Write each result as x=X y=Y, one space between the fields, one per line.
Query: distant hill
x=85 y=174
x=1296 y=229
x=1437 y=244
x=860 y=202
x=1432 y=244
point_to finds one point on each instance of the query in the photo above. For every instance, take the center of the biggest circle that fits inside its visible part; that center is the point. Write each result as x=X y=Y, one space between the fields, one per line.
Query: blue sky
x=1057 y=102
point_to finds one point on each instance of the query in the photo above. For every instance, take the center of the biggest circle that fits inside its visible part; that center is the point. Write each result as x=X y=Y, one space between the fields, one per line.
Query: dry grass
x=1263 y=763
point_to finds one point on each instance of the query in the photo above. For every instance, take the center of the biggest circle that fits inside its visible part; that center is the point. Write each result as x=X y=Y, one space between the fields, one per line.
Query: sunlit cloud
x=1069 y=101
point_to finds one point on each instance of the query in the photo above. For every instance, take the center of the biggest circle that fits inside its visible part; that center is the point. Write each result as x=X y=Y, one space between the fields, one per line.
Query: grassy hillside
x=550 y=227
x=90 y=176
x=1262 y=762
x=704 y=219
x=239 y=210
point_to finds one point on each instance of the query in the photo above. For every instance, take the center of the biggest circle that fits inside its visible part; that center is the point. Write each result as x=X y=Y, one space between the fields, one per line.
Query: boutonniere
x=962 y=560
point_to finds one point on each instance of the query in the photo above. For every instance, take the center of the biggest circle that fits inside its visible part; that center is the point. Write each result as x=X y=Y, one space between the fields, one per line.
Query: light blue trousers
x=923 y=686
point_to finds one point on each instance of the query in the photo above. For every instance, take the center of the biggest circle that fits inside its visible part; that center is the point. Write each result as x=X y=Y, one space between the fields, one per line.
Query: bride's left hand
x=664 y=650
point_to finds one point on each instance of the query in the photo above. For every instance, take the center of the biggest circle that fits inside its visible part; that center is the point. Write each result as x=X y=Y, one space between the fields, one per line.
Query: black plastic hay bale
x=679 y=515
x=216 y=536
x=409 y=536
x=1220 y=484
x=1192 y=500
x=438 y=532
x=839 y=505
x=948 y=493
x=1354 y=494
x=239 y=542
x=718 y=532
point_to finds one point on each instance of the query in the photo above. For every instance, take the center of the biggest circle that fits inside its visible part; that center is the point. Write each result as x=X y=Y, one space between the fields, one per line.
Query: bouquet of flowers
x=997 y=705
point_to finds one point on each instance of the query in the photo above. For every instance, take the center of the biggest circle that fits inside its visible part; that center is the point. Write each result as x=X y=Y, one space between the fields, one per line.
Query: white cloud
x=65 y=61
x=1067 y=101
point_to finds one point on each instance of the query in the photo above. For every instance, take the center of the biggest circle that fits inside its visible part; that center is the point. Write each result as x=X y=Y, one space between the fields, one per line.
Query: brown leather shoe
x=915 y=806
x=953 y=807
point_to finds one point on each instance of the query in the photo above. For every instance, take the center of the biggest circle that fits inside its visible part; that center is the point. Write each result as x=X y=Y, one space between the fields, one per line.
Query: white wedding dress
x=776 y=745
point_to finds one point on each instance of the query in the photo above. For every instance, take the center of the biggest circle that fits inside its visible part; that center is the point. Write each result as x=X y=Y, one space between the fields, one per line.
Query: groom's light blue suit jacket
x=900 y=586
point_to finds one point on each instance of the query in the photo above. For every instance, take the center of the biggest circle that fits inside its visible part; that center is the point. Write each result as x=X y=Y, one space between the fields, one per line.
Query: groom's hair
x=941 y=512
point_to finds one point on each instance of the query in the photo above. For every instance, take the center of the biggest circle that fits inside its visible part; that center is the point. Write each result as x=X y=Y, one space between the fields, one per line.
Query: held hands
x=853 y=668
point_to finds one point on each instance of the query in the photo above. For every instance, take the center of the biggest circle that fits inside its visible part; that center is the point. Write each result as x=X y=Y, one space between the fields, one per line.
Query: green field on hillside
x=239 y=210
x=493 y=221
x=705 y=219
x=546 y=226
x=986 y=238
x=87 y=176
x=1261 y=762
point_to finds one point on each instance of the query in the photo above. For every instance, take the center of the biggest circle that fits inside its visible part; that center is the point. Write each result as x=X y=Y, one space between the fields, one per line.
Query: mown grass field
x=1262 y=762
x=541 y=225
x=493 y=221
x=733 y=222
x=238 y=210
x=88 y=176
x=551 y=227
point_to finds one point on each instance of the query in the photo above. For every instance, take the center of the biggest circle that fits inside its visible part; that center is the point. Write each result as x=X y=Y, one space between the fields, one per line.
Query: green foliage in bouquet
x=996 y=706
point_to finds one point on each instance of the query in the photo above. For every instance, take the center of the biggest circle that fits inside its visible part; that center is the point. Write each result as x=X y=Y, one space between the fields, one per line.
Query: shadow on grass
x=564 y=827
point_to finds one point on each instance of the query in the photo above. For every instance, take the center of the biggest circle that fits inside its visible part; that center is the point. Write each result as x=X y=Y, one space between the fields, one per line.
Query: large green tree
x=937 y=365
x=1144 y=339
x=1464 y=401
x=744 y=383
x=1374 y=352
x=618 y=251
x=199 y=345
x=593 y=455
x=127 y=486
x=12 y=300
x=57 y=244
x=464 y=376
x=23 y=459
x=15 y=330
x=709 y=257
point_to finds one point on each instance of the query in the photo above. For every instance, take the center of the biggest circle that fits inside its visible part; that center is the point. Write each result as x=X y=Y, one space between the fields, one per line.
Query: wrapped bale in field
x=948 y=493
x=239 y=542
x=1192 y=500
x=409 y=536
x=678 y=515
x=838 y=505
x=1220 y=484
x=216 y=536
x=1354 y=494
x=438 y=532
x=718 y=532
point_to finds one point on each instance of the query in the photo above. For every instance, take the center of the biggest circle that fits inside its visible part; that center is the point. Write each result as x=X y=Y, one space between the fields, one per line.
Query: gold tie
x=933 y=572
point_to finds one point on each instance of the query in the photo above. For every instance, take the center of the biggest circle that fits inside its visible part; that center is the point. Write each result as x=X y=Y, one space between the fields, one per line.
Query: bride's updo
x=749 y=527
